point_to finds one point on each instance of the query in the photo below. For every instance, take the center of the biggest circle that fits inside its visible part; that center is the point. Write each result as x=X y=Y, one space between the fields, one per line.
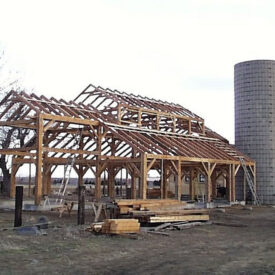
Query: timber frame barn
x=118 y=131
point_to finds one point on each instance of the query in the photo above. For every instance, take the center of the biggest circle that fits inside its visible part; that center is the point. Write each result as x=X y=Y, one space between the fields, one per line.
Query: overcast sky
x=181 y=51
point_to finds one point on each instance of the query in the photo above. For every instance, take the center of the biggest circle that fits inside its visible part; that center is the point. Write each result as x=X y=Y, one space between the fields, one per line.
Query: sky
x=180 y=51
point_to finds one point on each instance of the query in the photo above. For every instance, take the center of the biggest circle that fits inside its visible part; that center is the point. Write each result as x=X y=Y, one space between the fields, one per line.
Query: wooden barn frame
x=118 y=130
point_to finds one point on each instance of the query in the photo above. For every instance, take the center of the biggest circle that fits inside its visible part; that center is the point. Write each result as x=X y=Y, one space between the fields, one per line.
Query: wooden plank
x=179 y=218
x=169 y=212
x=148 y=201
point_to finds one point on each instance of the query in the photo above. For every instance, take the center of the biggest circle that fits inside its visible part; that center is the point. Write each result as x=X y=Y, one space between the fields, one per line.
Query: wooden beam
x=151 y=164
x=70 y=151
x=15 y=152
x=196 y=159
x=49 y=124
x=72 y=120
x=17 y=124
x=237 y=169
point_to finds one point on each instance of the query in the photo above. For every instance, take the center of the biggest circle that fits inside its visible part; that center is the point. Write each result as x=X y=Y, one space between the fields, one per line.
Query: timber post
x=13 y=179
x=179 y=181
x=111 y=182
x=39 y=163
x=18 y=206
x=143 y=171
x=191 y=184
x=81 y=205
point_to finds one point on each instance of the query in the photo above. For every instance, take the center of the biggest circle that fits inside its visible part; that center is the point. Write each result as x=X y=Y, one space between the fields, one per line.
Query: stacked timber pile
x=127 y=206
x=164 y=216
x=161 y=211
x=120 y=226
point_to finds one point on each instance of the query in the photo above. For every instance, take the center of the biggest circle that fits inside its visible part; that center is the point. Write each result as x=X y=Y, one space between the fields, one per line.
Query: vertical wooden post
x=30 y=180
x=81 y=205
x=13 y=180
x=111 y=182
x=189 y=126
x=191 y=185
x=228 y=183
x=98 y=165
x=179 y=181
x=209 y=185
x=49 y=180
x=119 y=113
x=161 y=178
x=80 y=175
x=174 y=124
x=133 y=186
x=233 y=183
x=165 y=182
x=203 y=128
x=157 y=122
x=143 y=172
x=39 y=148
x=44 y=179
x=139 y=118
x=98 y=181
x=214 y=186
x=18 y=206
x=121 y=183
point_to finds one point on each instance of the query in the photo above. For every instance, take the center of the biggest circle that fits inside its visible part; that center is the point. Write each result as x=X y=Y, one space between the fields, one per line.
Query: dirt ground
x=207 y=249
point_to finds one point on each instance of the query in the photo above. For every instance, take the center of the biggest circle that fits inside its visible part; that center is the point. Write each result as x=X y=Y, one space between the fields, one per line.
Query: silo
x=254 y=85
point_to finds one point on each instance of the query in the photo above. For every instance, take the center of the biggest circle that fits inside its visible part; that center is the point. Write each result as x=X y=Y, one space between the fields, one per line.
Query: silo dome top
x=256 y=61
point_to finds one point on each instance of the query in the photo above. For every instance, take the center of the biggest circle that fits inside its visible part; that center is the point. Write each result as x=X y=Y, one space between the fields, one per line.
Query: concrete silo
x=254 y=84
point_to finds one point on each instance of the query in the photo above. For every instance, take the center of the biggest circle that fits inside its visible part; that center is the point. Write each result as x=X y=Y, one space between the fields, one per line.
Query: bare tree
x=9 y=80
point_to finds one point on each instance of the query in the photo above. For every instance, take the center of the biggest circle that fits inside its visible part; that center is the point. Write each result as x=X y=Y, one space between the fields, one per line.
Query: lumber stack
x=161 y=211
x=127 y=206
x=120 y=226
x=165 y=216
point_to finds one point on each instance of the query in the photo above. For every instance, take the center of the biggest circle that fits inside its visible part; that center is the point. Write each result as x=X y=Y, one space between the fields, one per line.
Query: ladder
x=68 y=170
x=250 y=183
